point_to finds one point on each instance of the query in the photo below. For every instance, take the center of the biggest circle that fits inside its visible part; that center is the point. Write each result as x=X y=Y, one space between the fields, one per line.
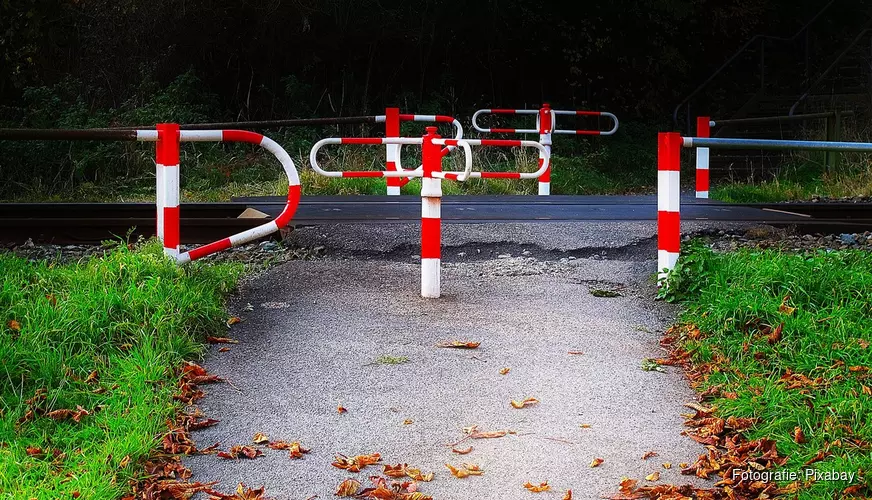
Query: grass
x=823 y=301
x=391 y=360
x=129 y=318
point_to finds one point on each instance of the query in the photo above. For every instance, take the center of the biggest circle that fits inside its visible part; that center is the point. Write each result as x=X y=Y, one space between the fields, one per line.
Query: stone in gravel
x=269 y=246
x=504 y=256
x=848 y=239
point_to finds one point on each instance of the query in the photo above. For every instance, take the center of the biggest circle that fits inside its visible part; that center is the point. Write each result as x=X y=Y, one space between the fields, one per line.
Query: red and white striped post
x=392 y=129
x=703 y=129
x=545 y=125
x=669 y=146
x=431 y=216
x=167 y=174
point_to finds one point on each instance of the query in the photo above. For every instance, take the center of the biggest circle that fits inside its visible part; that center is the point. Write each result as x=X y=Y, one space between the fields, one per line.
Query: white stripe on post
x=669 y=146
x=702 y=163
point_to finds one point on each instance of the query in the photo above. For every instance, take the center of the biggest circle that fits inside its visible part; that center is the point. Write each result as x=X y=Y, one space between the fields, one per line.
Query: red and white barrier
x=546 y=124
x=392 y=119
x=703 y=129
x=168 y=138
x=433 y=151
x=669 y=146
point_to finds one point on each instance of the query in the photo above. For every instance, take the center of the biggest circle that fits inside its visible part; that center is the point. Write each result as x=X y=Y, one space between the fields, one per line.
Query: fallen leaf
x=14 y=325
x=124 y=462
x=348 y=488
x=92 y=377
x=585 y=426
x=340 y=409
x=240 y=451
x=221 y=340
x=537 y=489
x=465 y=470
x=260 y=438
x=568 y=495
x=654 y=476
x=628 y=485
x=75 y=494
x=463 y=451
x=356 y=463
x=65 y=414
x=195 y=425
x=822 y=454
x=524 y=403
x=407 y=422
x=224 y=349
x=33 y=451
x=504 y=371
x=417 y=475
x=459 y=344
x=649 y=454
x=52 y=299
x=487 y=434
x=596 y=462
x=242 y=493
x=798 y=435
x=233 y=320
x=775 y=336
x=784 y=308
x=398 y=470
x=575 y=352
x=667 y=465
x=683 y=465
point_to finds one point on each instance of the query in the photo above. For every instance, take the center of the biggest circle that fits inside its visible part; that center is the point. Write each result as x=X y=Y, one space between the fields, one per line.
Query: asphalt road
x=315 y=332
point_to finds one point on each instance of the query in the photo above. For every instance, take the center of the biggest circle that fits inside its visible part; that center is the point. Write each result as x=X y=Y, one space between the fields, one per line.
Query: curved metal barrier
x=167 y=138
x=392 y=119
x=546 y=125
x=433 y=151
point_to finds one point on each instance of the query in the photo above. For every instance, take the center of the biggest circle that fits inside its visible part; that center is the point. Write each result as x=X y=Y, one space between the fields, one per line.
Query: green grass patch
x=822 y=299
x=391 y=360
x=130 y=316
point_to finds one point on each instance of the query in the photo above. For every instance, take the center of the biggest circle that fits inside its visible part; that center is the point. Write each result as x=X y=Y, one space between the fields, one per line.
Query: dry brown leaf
x=124 y=462
x=92 y=377
x=398 y=470
x=596 y=462
x=240 y=451
x=242 y=493
x=683 y=465
x=224 y=349
x=459 y=473
x=784 y=308
x=33 y=451
x=537 y=489
x=463 y=451
x=575 y=352
x=585 y=426
x=487 y=434
x=568 y=495
x=221 y=340
x=654 y=476
x=775 y=336
x=649 y=454
x=798 y=435
x=524 y=403
x=356 y=463
x=417 y=475
x=667 y=465
x=505 y=371
x=233 y=320
x=66 y=414
x=465 y=470
x=340 y=409
x=628 y=485
x=14 y=325
x=260 y=438
x=348 y=488
x=408 y=421
x=195 y=425
x=459 y=344
x=296 y=451
x=866 y=390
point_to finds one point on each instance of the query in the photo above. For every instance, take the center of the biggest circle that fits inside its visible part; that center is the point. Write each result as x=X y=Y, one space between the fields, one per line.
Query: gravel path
x=353 y=332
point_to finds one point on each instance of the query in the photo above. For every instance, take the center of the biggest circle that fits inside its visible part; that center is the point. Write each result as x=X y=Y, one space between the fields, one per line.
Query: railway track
x=204 y=222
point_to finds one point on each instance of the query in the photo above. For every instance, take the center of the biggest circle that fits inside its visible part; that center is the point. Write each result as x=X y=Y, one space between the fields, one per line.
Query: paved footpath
x=316 y=331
